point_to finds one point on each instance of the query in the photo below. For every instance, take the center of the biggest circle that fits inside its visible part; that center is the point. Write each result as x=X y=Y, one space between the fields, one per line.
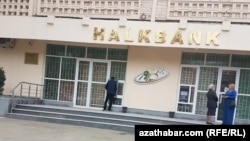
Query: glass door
x=98 y=81
x=90 y=83
x=226 y=76
x=82 y=83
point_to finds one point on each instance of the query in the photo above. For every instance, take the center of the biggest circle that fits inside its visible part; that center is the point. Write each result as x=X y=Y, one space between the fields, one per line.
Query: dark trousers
x=109 y=98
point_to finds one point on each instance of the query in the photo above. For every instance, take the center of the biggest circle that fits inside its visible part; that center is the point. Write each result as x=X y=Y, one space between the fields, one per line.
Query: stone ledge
x=4 y=104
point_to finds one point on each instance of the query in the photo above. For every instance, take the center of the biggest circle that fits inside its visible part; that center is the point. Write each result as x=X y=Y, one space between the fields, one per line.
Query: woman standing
x=228 y=110
x=211 y=103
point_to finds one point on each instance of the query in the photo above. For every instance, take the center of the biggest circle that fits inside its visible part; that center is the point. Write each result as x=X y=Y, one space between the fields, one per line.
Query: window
x=58 y=50
x=192 y=94
x=201 y=5
x=201 y=14
x=76 y=51
x=238 y=6
x=50 y=89
x=68 y=67
x=186 y=5
x=172 y=5
x=216 y=6
x=213 y=59
x=243 y=99
x=61 y=66
x=193 y=14
x=52 y=67
x=244 y=84
x=118 y=70
x=96 y=53
x=180 y=5
x=193 y=58
x=188 y=75
x=187 y=89
x=240 y=61
x=209 y=6
x=117 y=54
x=194 y=5
x=207 y=76
x=245 y=7
x=243 y=104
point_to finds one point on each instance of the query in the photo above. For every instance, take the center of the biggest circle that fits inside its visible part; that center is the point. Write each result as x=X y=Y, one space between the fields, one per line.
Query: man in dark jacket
x=111 y=88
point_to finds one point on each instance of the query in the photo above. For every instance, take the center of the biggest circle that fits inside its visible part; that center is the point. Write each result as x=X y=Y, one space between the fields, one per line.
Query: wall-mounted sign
x=160 y=36
x=152 y=75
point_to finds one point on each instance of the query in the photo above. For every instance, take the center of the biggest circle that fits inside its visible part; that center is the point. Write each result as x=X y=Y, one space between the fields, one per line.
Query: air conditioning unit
x=7 y=42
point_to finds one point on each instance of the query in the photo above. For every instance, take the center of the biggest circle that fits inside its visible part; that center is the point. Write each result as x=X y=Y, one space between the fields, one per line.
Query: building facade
x=164 y=53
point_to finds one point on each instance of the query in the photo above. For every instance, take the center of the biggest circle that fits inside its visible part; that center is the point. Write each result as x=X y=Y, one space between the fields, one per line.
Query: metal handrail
x=17 y=92
x=12 y=91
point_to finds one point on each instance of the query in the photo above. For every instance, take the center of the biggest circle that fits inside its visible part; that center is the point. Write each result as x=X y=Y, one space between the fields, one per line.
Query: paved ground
x=21 y=130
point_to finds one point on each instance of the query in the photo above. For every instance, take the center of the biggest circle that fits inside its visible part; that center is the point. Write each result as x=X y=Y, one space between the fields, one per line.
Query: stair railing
x=26 y=93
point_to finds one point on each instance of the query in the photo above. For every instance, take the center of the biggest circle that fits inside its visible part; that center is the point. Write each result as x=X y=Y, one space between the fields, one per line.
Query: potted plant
x=2 y=80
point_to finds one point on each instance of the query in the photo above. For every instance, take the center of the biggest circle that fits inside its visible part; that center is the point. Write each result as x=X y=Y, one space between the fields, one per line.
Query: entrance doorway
x=90 y=81
x=225 y=77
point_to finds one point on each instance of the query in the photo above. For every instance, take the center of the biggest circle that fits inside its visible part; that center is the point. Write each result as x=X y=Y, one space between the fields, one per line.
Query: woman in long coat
x=211 y=102
x=228 y=111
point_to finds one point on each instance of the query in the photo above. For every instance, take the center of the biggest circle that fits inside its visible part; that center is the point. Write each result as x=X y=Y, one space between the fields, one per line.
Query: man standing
x=111 y=88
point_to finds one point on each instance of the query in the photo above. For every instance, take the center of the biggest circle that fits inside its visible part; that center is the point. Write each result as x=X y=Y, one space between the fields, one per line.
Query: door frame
x=237 y=79
x=91 y=61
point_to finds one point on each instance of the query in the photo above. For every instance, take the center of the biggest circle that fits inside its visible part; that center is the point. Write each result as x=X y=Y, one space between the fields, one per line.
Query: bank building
x=164 y=54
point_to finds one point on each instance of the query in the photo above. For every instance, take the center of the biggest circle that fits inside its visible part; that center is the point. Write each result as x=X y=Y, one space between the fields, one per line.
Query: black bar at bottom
x=204 y=132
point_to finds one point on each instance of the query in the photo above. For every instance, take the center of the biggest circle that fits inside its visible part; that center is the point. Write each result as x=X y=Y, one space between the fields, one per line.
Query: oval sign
x=152 y=75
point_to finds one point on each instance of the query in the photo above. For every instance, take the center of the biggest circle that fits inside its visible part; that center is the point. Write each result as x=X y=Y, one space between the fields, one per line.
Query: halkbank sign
x=160 y=36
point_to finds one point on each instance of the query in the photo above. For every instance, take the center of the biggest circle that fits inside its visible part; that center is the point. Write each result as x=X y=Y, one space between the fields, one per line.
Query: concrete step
x=75 y=111
x=105 y=114
x=90 y=117
x=80 y=117
x=103 y=125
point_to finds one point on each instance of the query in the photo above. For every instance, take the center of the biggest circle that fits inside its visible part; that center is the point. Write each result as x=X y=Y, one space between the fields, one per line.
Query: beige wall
x=12 y=60
x=160 y=96
x=72 y=30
